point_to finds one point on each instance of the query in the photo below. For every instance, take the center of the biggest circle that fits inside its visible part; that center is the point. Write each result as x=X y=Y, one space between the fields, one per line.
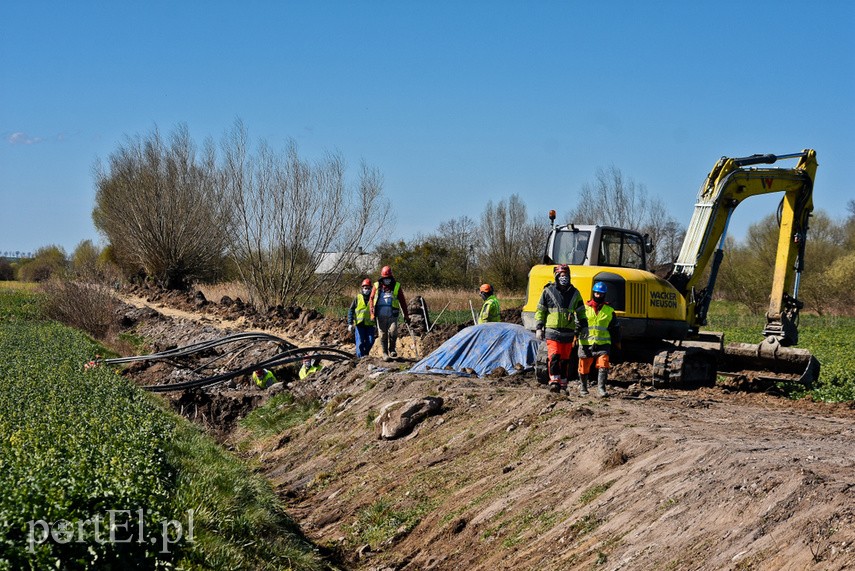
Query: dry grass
x=27 y=286
x=215 y=292
x=458 y=299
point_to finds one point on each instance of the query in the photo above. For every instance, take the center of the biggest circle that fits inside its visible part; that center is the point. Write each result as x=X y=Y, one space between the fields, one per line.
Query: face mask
x=563 y=280
x=599 y=298
x=484 y=296
x=366 y=290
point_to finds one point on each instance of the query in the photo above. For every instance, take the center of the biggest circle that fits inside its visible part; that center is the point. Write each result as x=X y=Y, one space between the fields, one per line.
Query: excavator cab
x=587 y=245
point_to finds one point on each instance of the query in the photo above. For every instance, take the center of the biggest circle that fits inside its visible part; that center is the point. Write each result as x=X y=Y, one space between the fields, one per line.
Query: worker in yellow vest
x=386 y=303
x=359 y=320
x=490 y=309
x=595 y=341
x=263 y=378
x=560 y=314
x=310 y=365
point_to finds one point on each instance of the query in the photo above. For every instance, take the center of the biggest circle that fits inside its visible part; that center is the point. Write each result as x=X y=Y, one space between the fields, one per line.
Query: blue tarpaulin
x=483 y=348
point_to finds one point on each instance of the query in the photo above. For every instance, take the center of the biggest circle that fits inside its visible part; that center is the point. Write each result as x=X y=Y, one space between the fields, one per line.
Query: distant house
x=357 y=262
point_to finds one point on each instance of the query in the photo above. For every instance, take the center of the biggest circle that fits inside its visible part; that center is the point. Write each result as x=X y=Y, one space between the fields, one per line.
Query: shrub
x=87 y=306
x=7 y=273
x=47 y=262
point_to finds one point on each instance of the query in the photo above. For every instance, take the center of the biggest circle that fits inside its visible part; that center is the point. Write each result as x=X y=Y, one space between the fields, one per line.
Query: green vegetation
x=385 y=520
x=594 y=492
x=830 y=338
x=520 y=527
x=278 y=414
x=78 y=448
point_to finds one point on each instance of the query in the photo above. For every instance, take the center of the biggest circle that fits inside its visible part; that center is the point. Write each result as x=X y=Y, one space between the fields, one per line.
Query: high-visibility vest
x=555 y=316
x=263 y=381
x=306 y=371
x=362 y=313
x=598 y=326
x=396 y=305
x=490 y=310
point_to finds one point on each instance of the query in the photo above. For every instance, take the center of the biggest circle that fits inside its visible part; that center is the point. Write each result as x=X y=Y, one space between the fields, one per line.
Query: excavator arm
x=731 y=181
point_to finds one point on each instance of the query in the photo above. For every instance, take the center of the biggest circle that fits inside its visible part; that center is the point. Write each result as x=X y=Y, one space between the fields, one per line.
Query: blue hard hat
x=600 y=287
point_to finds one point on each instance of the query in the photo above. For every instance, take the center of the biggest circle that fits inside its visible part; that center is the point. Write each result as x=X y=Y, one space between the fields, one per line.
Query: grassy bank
x=83 y=449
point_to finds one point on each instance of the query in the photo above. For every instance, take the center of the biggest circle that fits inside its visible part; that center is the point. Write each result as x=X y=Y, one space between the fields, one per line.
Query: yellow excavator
x=661 y=318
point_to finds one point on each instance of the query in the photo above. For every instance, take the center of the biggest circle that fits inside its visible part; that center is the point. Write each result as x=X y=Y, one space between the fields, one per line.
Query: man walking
x=386 y=303
x=360 y=315
x=595 y=343
x=560 y=314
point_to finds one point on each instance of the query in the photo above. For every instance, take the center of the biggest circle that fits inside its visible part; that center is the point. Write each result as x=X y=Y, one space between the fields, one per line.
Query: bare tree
x=462 y=237
x=614 y=200
x=289 y=211
x=665 y=233
x=158 y=205
x=506 y=243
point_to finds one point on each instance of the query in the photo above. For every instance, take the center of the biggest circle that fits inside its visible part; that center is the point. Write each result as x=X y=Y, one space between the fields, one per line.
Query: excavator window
x=571 y=247
x=621 y=249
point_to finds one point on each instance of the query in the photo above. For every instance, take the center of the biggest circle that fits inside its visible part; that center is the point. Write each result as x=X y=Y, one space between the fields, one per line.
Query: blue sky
x=456 y=103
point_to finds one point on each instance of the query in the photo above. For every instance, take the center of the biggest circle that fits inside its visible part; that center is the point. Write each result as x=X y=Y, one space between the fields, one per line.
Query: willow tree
x=160 y=207
x=510 y=243
x=288 y=212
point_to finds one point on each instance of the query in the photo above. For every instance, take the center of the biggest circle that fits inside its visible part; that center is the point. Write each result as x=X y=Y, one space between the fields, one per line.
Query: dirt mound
x=509 y=476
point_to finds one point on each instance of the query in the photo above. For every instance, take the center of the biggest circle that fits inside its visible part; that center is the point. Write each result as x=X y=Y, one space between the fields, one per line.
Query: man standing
x=561 y=313
x=596 y=342
x=360 y=315
x=490 y=309
x=386 y=303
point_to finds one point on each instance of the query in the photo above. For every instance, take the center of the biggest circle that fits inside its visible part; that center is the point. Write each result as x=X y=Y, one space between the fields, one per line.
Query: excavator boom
x=730 y=182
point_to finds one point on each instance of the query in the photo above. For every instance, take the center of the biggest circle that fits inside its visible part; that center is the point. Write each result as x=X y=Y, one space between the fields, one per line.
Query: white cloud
x=20 y=138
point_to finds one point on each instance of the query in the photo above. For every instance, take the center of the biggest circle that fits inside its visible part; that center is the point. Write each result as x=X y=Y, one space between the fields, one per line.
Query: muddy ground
x=509 y=476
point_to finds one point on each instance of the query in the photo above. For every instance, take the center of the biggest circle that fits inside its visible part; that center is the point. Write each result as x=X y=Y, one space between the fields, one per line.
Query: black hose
x=279 y=360
x=290 y=354
x=199 y=347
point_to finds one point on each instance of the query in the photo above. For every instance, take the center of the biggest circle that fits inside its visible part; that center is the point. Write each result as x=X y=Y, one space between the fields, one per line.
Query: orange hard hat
x=561 y=268
x=386 y=272
x=486 y=288
x=366 y=282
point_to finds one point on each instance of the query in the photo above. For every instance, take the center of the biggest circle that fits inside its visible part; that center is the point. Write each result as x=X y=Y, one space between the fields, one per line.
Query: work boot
x=602 y=375
x=563 y=384
x=583 y=384
x=554 y=387
x=385 y=356
x=393 y=354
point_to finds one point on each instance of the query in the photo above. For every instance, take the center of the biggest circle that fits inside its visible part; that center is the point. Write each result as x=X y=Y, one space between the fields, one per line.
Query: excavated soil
x=509 y=476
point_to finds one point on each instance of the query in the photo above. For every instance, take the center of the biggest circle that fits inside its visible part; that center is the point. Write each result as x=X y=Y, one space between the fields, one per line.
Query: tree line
x=175 y=213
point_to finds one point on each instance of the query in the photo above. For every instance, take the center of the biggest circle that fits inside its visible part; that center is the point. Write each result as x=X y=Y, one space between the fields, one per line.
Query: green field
x=84 y=451
x=831 y=339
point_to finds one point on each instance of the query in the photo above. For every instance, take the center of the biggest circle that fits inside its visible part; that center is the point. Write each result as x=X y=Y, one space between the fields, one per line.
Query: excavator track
x=689 y=366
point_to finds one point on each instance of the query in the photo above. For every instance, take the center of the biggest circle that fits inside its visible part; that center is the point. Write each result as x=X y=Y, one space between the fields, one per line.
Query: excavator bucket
x=771 y=360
